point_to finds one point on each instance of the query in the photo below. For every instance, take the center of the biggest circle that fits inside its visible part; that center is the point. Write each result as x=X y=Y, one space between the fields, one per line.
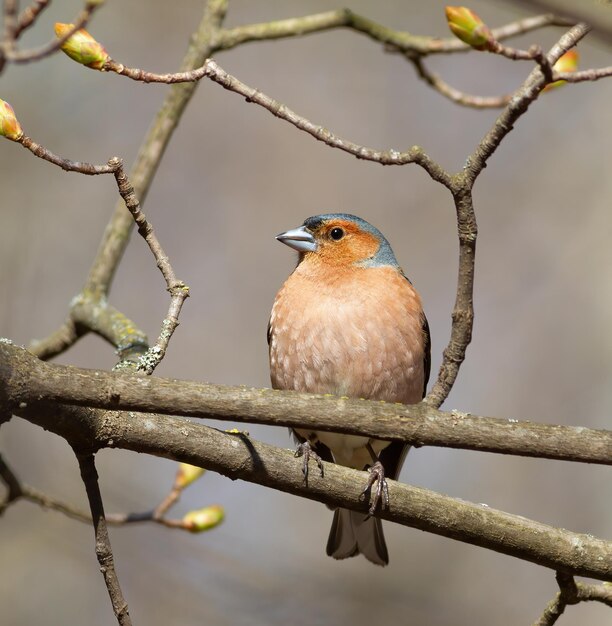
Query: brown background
x=233 y=178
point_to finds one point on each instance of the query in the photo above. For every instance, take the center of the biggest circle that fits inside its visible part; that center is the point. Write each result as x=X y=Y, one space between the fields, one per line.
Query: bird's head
x=340 y=239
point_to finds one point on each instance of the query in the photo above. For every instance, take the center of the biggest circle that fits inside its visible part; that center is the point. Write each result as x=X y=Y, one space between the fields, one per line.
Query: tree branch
x=57 y=342
x=18 y=491
x=462 y=184
x=584 y=75
x=177 y=288
x=459 y=97
x=67 y=165
x=117 y=232
x=571 y=592
x=27 y=380
x=103 y=547
x=237 y=456
x=522 y=99
x=27 y=56
x=212 y=70
x=394 y=39
x=15 y=490
x=116 y=235
x=29 y=15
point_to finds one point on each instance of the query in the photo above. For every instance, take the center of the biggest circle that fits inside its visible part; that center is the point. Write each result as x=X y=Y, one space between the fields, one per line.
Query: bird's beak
x=299 y=239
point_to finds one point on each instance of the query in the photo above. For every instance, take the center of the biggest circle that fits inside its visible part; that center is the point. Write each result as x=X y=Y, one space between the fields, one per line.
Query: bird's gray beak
x=299 y=239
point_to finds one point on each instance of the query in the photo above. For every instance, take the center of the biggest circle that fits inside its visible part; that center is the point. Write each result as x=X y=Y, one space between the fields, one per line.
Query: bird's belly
x=360 y=341
x=348 y=450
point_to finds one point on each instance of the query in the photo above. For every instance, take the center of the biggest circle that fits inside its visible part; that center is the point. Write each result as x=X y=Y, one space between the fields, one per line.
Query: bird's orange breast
x=350 y=331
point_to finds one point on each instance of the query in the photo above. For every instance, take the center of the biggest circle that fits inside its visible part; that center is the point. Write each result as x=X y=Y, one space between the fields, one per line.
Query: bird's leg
x=377 y=475
x=305 y=449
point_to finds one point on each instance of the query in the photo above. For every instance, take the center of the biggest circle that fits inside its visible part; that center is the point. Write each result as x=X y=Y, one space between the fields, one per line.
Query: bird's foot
x=305 y=450
x=377 y=475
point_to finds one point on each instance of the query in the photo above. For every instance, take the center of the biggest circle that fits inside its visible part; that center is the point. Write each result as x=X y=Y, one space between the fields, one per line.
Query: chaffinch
x=348 y=322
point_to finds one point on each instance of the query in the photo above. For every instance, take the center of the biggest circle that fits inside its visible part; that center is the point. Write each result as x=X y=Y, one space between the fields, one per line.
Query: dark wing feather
x=426 y=354
x=392 y=457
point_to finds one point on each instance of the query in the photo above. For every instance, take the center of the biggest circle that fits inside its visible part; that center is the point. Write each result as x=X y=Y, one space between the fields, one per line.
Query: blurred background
x=234 y=177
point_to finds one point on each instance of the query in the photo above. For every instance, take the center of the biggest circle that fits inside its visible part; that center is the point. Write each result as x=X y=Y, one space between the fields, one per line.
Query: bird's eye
x=336 y=234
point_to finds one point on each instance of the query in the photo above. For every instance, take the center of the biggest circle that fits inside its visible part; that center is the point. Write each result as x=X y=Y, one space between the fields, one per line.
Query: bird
x=349 y=322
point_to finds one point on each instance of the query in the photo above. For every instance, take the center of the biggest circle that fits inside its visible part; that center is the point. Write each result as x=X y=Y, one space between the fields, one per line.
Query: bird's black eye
x=336 y=234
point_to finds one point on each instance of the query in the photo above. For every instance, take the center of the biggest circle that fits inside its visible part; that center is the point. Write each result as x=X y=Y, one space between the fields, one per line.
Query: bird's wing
x=393 y=456
x=426 y=354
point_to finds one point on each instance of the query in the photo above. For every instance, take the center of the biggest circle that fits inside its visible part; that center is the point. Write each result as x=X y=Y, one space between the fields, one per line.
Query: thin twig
x=459 y=97
x=570 y=592
x=29 y=15
x=583 y=75
x=116 y=234
x=209 y=38
x=399 y=40
x=535 y=53
x=15 y=489
x=519 y=104
x=66 y=164
x=27 y=56
x=463 y=311
x=103 y=546
x=10 y=24
x=117 y=329
x=156 y=516
x=177 y=288
x=212 y=70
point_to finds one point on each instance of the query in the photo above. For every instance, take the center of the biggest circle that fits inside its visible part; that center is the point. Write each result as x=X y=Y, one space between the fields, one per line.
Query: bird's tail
x=354 y=533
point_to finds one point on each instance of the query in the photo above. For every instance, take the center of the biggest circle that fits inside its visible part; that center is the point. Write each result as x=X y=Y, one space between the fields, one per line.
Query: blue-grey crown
x=384 y=255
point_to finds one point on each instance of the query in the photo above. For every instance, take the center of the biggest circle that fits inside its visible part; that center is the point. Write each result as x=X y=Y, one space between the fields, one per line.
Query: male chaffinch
x=348 y=322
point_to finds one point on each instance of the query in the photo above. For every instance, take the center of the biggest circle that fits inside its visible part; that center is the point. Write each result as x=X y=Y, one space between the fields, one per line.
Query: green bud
x=204 y=519
x=186 y=474
x=468 y=27
x=82 y=47
x=9 y=126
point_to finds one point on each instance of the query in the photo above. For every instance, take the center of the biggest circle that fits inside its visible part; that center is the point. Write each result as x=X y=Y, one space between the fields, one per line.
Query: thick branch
x=25 y=380
x=237 y=456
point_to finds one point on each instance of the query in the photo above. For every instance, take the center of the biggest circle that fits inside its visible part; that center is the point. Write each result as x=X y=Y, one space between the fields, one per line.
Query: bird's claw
x=305 y=450
x=377 y=475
